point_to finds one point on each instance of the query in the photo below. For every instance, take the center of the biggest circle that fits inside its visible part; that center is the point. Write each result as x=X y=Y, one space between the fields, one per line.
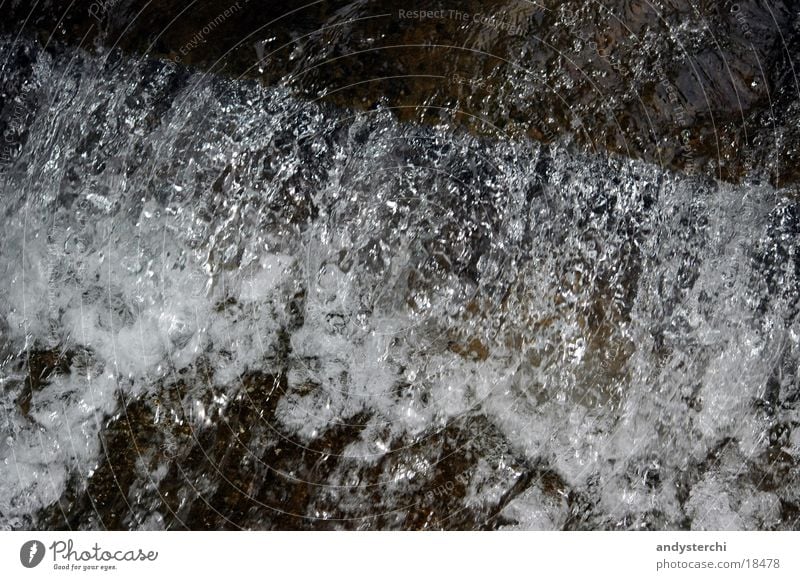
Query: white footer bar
x=408 y=555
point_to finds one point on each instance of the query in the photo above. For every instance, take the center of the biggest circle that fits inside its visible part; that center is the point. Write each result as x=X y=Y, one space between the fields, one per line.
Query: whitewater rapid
x=634 y=330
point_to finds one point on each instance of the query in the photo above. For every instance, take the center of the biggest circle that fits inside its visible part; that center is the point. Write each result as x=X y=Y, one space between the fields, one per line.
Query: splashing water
x=615 y=345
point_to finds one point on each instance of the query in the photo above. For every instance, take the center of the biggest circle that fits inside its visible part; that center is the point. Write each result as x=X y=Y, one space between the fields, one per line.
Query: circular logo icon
x=32 y=553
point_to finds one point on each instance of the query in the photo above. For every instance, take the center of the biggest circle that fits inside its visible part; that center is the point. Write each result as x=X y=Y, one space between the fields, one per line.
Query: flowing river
x=224 y=306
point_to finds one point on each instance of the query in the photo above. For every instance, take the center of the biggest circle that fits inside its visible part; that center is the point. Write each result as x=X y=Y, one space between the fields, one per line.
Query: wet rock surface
x=703 y=87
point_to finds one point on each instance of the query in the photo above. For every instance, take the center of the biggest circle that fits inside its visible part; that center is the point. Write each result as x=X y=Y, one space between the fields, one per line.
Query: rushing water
x=411 y=325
